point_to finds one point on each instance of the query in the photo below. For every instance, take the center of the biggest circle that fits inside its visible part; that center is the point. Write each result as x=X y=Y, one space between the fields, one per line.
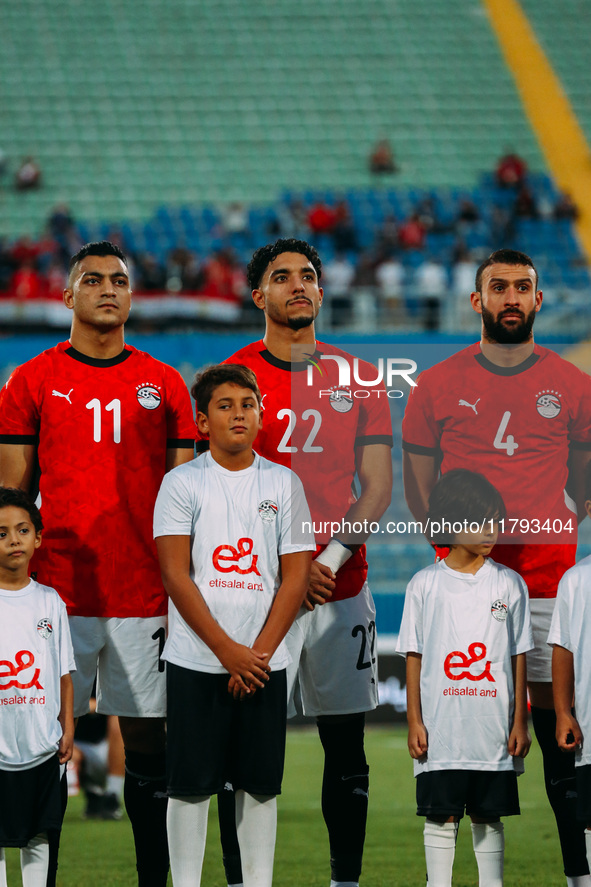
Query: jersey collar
x=97 y=361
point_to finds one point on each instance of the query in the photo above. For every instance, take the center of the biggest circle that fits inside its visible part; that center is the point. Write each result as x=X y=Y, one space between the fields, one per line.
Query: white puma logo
x=59 y=394
x=464 y=403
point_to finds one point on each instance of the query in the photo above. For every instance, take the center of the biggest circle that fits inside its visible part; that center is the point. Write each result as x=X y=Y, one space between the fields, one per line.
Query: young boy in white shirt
x=570 y=637
x=465 y=631
x=36 y=694
x=235 y=561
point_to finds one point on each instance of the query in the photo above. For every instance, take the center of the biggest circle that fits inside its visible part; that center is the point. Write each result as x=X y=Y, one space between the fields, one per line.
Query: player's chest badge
x=548 y=403
x=149 y=396
x=341 y=399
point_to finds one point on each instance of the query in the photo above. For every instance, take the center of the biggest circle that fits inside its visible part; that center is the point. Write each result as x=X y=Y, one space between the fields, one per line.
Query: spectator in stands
x=431 y=286
x=224 y=277
x=56 y=280
x=151 y=275
x=27 y=283
x=390 y=279
x=381 y=159
x=511 y=170
x=290 y=220
x=344 y=236
x=462 y=282
x=525 y=206
x=412 y=233
x=387 y=236
x=566 y=208
x=321 y=218
x=337 y=278
x=235 y=219
x=468 y=213
x=28 y=175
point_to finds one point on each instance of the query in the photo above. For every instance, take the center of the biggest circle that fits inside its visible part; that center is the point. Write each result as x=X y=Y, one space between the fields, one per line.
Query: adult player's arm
x=245 y=665
x=66 y=718
x=568 y=732
x=519 y=738
x=374 y=471
x=17 y=463
x=578 y=460
x=176 y=456
x=417 y=732
x=419 y=474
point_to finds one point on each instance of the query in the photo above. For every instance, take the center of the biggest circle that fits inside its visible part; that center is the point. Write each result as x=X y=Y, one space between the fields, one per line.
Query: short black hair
x=11 y=496
x=219 y=374
x=504 y=257
x=264 y=255
x=97 y=248
x=462 y=497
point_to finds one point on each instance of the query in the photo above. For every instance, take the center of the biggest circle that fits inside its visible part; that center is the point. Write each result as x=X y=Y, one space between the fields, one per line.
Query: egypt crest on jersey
x=101 y=428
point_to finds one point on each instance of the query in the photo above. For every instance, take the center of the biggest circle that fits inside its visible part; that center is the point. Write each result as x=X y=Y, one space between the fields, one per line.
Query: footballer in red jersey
x=329 y=436
x=103 y=422
x=521 y=416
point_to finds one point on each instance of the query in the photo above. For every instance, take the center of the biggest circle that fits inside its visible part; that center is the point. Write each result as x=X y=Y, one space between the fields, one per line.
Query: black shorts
x=583 y=777
x=213 y=738
x=30 y=803
x=487 y=794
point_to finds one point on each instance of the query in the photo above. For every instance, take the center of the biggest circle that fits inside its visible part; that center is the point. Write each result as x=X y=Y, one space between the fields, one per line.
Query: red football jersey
x=515 y=425
x=313 y=424
x=102 y=428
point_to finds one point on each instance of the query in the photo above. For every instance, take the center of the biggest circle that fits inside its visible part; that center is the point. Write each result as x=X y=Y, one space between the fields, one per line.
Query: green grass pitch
x=100 y=853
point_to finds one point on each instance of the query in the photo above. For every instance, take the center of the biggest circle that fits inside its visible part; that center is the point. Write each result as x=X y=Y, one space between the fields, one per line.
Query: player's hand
x=417 y=741
x=248 y=668
x=568 y=732
x=519 y=742
x=65 y=747
x=321 y=587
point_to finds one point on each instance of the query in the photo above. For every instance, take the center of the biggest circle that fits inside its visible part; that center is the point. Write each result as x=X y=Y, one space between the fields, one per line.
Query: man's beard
x=300 y=322
x=503 y=335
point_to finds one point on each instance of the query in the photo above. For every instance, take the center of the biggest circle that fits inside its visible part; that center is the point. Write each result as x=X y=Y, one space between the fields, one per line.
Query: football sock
x=559 y=776
x=3 y=881
x=34 y=862
x=187 y=832
x=145 y=802
x=440 y=849
x=488 y=840
x=588 y=844
x=345 y=794
x=344 y=884
x=114 y=785
x=256 y=823
x=54 y=834
x=228 y=836
x=579 y=881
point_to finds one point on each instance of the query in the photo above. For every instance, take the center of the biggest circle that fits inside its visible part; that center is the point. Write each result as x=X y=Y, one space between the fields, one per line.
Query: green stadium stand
x=127 y=107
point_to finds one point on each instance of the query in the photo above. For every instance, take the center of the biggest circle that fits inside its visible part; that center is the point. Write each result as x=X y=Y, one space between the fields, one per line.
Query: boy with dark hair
x=570 y=637
x=465 y=631
x=37 y=724
x=235 y=561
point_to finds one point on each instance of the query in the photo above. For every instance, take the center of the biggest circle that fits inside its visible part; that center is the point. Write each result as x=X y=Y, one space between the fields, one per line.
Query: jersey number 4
x=113 y=407
x=508 y=443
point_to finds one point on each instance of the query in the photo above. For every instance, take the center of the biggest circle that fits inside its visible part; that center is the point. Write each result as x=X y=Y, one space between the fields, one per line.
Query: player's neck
x=464 y=561
x=232 y=461
x=289 y=345
x=14 y=580
x=506 y=355
x=96 y=343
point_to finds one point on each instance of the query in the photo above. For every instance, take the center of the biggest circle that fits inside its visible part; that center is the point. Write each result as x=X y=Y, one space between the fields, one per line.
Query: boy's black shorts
x=583 y=777
x=487 y=794
x=30 y=803
x=213 y=738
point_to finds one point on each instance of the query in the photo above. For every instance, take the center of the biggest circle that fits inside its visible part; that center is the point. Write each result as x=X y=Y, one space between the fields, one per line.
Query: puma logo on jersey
x=59 y=394
x=464 y=403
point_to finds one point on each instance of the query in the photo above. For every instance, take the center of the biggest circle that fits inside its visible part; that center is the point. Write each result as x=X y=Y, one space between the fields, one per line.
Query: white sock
x=588 y=847
x=440 y=849
x=488 y=840
x=256 y=825
x=3 y=881
x=186 y=823
x=344 y=884
x=115 y=785
x=35 y=861
x=581 y=880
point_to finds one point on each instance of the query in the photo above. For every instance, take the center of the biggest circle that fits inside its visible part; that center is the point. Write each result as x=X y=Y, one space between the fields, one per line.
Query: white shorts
x=124 y=657
x=539 y=660
x=334 y=658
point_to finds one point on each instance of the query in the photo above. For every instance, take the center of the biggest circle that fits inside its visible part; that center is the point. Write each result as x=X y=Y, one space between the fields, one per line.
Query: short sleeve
x=180 y=424
x=421 y=433
x=521 y=640
x=19 y=407
x=374 y=425
x=66 y=651
x=579 y=429
x=175 y=511
x=410 y=636
x=560 y=629
x=296 y=532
